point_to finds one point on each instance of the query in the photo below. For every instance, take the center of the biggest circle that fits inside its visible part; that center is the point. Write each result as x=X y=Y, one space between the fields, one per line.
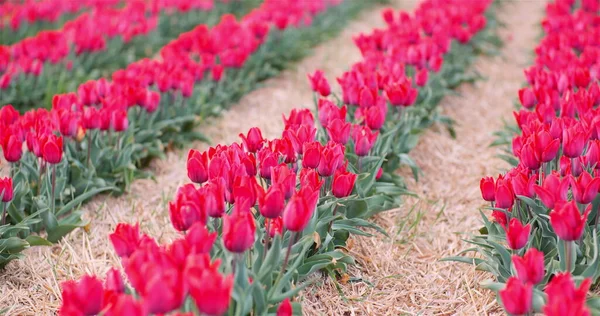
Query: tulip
x=552 y=190
x=585 y=188
x=285 y=148
x=328 y=112
x=285 y=308
x=364 y=139
x=319 y=83
x=114 y=282
x=504 y=195
x=593 y=154
x=246 y=188
x=187 y=208
x=274 y=226
x=299 y=135
x=527 y=97
x=8 y=115
x=343 y=183
x=299 y=211
x=283 y=176
x=564 y=299
x=125 y=239
x=272 y=202
x=375 y=117
x=199 y=240
x=500 y=218
x=211 y=291
x=52 y=150
x=254 y=140
x=487 y=187
x=299 y=117
x=401 y=94
x=266 y=160
x=197 y=166
x=239 y=228
x=311 y=155
x=517 y=235
x=523 y=185
x=83 y=297
x=332 y=156
x=310 y=178
x=213 y=196
x=12 y=148
x=421 y=77
x=529 y=156
x=567 y=222
x=125 y=304
x=339 y=131
x=547 y=146
x=6 y=189
x=119 y=121
x=517 y=297
x=574 y=140
x=530 y=267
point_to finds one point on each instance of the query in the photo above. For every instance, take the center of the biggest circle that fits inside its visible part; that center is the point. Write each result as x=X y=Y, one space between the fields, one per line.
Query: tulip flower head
x=517 y=297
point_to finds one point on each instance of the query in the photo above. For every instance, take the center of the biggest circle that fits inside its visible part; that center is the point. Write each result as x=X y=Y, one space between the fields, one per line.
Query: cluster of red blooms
x=558 y=150
x=15 y=14
x=103 y=104
x=88 y=33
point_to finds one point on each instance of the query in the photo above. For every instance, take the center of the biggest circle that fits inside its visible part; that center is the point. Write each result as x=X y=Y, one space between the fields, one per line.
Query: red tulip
x=239 y=228
x=311 y=155
x=217 y=72
x=119 y=121
x=285 y=308
x=311 y=179
x=254 y=140
x=527 y=97
x=552 y=190
x=266 y=160
x=547 y=146
x=487 y=187
x=272 y=202
x=125 y=304
x=114 y=282
x=343 y=183
x=564 y=299
x=125 y=239
x=500 y=218
x=275 y=226
x=574 y=139
x=375 y=117
x=299 y=210
x=211 y=291
x=328 y=112
x=339 y=131
x=299 y=117
x=593 y=154
x=213 y=197
x=517 y=235
x=401 y=94
x=567 y=222
x=187 y=208
x=53 y=149
x=83 y=297
x=585 y=188
x=284 y=177
x=530 y=156
x=197 y=166
x=319 y=83
x=8 y=115
x=6 y=189
x=332 y=156
x=530 y=267
x=199 y=240
x=421 y=77
x=364 y=139
x=12 y=148
x=517 y=297
x=523 y=185
x=505 y=196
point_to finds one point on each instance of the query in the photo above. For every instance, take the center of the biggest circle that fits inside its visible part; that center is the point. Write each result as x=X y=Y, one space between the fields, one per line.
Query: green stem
x=53 y=197
x=4 y=212
x=331 y=222
x=287 y=257
x=267 y=236
x=568 y=263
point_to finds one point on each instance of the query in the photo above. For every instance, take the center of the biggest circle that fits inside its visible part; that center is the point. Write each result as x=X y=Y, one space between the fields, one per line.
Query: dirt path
x=402 y=275
x=31 y=286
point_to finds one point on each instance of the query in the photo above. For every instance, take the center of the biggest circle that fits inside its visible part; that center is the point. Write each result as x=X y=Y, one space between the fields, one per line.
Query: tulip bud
x=6 y=189
x=266 y=160
x=487 y=187
x=517 y=235
x=197 y=166
x=527 y=97
x=299 y=210
x=187 y=208
x=239 y=228
x=504 y=194
x=254 y=140
x=53 y=149
x=530 y=267
x=285 y=308
x=343 y=183
x=284 y=177
x=375 y=117
x=12 y=148
x=517 y=297
x=364 y=139
x=567 y=222
x=213 y=196
x=272 y=202
x=312 y=155
x=83 y=297
x=319 y=83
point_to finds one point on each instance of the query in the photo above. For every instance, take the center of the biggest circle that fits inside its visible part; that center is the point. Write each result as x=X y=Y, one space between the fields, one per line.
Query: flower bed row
x=542 y=244
x=97 y=43
x=261 y=215
x=19 y=20
x=95 y=140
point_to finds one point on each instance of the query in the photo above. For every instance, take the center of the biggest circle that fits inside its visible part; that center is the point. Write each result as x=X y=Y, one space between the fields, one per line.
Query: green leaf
x=37 y=241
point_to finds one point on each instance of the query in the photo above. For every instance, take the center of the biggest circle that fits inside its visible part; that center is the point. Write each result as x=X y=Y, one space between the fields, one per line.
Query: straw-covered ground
x=394 y=276
x=402 y=274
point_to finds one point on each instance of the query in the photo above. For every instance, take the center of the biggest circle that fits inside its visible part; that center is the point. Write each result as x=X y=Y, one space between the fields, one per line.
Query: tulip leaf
x=81 y=198
x=37 y=241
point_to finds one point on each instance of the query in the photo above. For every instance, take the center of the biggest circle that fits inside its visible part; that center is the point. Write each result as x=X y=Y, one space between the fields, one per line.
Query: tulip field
x=299 y=157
